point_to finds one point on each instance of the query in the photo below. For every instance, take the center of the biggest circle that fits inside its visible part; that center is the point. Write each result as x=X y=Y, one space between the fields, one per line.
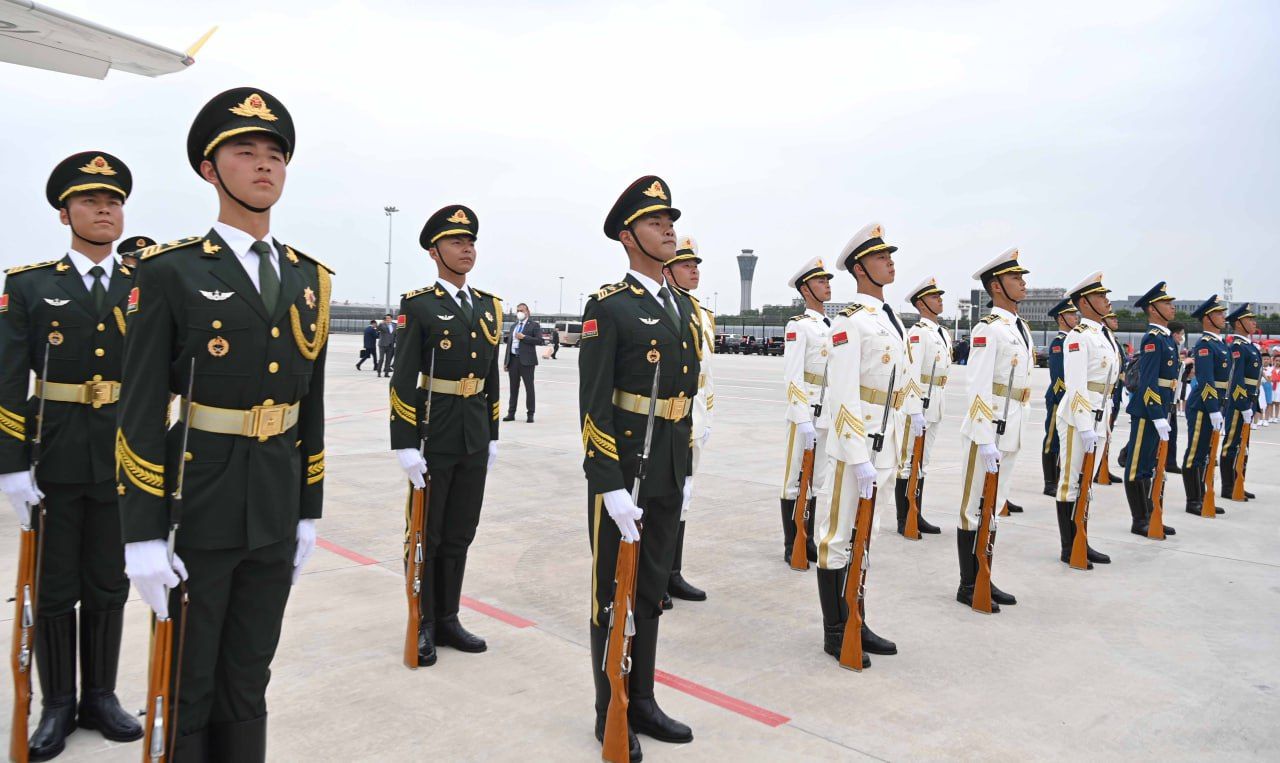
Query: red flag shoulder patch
x=791 y=336
x=979 y=341
x=402 y=320
x=915 y=339
x=133 y=301
x=1073 y=347
x=839 y=339
x=590 y=328
x=1149 y=347
x=4 y=302
x=1203 y=351
x=1235 y=354
x=1057 y=348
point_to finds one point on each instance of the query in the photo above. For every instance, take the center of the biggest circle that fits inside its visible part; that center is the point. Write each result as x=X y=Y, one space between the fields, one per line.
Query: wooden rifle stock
x=1237 y=490
x=1209 y=507
x=1155 y=523
x=617 y=655
x=1080 y=546
x=1104 y=471
x=22 y=656
x=985 y=544
x=799 y=549
x=155 y=741
x=414 y=542
x=855 y=595
x=912 y=529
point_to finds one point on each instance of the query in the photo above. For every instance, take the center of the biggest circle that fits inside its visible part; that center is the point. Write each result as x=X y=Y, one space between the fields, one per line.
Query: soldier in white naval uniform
x=682 y=270
x=806 y=349
x=1089 y=372
x=1000 y=345
x=929 y=348
x=868 y=349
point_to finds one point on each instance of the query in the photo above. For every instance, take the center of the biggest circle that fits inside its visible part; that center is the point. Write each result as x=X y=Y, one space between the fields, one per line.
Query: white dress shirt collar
x=1090 y=323
x=1005 y=314
x=1160 y=329
x=809 y=311
x=239 y=242
x=83 y=264
x=867 y=300
x=649 y=284
x=452 y=291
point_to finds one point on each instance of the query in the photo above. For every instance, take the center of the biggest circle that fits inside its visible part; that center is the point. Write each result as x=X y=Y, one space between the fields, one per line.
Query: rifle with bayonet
x=415 y=537
x=1209 y=504
x=1155 y=523
x=622 y=624
x=1237 y=487
x=1080 y=544
x=1103 y=476
x=985 y=542
x=160 y=731
x=855 y=596
x=799 y=549
x=26 y=590
x=912 y=529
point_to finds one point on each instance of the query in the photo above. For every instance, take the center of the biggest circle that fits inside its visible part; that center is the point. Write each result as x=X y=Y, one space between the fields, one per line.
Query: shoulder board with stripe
x=152 y=251
x=306 y=256
x=992 y=318
x=34 y=266
x=1079 y=328
x=851 y=309
x=483 y=293
x=800 y=317
x=608 y=290
x=417 y=292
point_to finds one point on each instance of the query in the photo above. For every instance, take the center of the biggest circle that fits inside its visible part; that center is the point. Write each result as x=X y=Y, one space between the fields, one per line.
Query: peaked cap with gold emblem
x=134 y=243
x=1063 y=306
x=869 y=240
x=87 y=171
x=235 y=112
x=686 y=249
x=1092 y=284
x=1006 y=264
x=923 y=289
x=1210 y=305
x=1244 y=310
x=1157 y=293
x=453 y=220
x=645 y=196
x=808 y=271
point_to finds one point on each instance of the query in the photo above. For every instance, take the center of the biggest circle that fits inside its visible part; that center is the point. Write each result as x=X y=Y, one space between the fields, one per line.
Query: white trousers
x=973 y=475
x=930 y=435
x=795 y=456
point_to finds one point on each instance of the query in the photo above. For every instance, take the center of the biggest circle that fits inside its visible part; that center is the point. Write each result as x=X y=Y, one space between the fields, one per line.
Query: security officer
x=682 y=270
x=1204 y=408
x=629 y=327
x=1246 y=369
x=1067 y=317
x=1088 y=371
x=998 y=380
x=868 y=346
x=929 y=350
x=129 y=248
x=459 y=328
x=69 y=313
x=1111 y=324
x=252 y=313
x=805 y=351
x=1150 y=405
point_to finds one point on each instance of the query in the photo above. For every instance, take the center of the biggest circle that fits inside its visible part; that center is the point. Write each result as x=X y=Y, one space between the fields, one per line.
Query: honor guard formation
x=175 y=439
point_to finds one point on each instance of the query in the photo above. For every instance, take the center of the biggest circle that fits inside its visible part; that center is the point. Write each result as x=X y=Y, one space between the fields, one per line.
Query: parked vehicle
x=727 y=343
x=774 y=346
x=570 y=333
x=749 y=346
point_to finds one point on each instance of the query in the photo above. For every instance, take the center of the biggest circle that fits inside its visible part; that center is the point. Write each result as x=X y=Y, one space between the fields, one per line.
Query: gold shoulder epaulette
x=608 y=290
x=155 y=249
x=417 y=292
x=851 y=309
x=290 y=250
x=484 y=293
x=1079 y=328
x=35 y=266
x=799 y=317
x=991 y=318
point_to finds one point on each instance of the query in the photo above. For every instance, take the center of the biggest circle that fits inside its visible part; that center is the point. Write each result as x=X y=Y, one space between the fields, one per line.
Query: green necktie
x=98 y=292
x=670 y=304
x=464 y=305
x=268 y=279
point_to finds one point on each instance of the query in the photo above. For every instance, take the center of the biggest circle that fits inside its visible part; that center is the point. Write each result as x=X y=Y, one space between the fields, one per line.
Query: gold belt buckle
x=679 y=406
x=469 y=386
x=99 y=393
x=268 y=421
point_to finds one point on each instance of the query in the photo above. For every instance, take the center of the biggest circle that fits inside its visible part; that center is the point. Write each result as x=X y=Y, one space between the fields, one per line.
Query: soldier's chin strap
x=443 y=261
x=76 y=233
x=1004 y=290
x=223 y=185
x=640 y=246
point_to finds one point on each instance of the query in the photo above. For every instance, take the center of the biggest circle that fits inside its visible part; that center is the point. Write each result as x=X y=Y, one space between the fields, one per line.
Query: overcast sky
x=1137 y=138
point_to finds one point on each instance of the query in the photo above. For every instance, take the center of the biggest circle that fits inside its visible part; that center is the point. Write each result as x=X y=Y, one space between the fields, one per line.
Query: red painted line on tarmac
x=746 y=709
x=345 y=552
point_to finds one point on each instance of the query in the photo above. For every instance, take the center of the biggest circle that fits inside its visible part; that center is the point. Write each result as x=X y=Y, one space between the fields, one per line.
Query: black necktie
x=665 y=294
x=943 y=334
x=1022 y=332
x=827 y=321
x=268 y=279
x=98 y=292
x=893 y=318
x=464 y=305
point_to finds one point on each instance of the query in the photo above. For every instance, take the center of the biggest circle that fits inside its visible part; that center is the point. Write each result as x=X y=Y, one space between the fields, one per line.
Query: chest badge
x=445 y=344
x=653 y=356
x=55 y=338
x=445 y=317
x=56 y=302
x=488 y=316
x=217 y=296
x=649 y=322
x=219 y=347
x=885 y=358
x=309 y=297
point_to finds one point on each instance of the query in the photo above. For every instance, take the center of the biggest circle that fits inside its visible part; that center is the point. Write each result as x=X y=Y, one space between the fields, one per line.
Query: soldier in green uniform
x=72 y=310
x=460 y=328
x=253 y=313
x=628 y=327
x=129 y=248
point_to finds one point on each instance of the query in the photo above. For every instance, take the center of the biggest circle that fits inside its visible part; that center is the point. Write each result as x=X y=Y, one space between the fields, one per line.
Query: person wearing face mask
x=521 y=359
x=68 y=313
x=1205 y=406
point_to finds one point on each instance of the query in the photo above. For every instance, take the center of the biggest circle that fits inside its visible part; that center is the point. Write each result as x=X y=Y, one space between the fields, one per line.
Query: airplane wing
x=34 y=35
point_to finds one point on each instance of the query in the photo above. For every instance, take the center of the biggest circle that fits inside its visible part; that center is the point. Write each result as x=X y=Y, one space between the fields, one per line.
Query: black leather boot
x=1133 y=492
x=1049 y=465
x=99 y=657
x=427 y=625
x=1067 y=530
x=925 y=527
x=1195 y=494
x=644 y=715
x=1012 y=507
x=677 y=586
x=1097 y=557
x=968 y=567
x=238 y=742
x=876 y=644
x=1217 y=506
x=191 y=748
x=56 y=663
x=1000 y=597
x=599 y=644
x=1148 y=500
x=834 y=612
x=788 y=528
x=811 y=548
x=900 y=502
x=1227 y=477
x=448 y=631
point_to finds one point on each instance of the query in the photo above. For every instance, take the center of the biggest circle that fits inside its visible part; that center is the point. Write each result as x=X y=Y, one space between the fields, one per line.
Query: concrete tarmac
x=1172 y=652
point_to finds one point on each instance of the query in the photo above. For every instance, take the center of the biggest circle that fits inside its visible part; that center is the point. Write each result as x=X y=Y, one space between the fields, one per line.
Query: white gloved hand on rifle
x=21 y=490
x=917 y=424
x=1248 y=416
x=990 y=457
x=866 y=474
x=624 y=513
x=688 y=493
x=1088 y=440
x=493 y=454
x=808 y=434
x=1162 y=428
x=1215 y=420
x=414 y=465
x=146 y=563
x=306 y=537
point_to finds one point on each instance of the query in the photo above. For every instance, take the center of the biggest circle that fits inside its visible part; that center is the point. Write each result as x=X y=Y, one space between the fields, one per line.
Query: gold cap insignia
x=98 y=166
x=877 y=232
x=656 y=191
x=140 y=243
x=460 y=217
x=254 y=106
x=309 y=297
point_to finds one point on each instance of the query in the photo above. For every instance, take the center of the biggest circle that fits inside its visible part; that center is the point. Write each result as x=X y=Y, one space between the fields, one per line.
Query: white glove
x=1248 y=416
x=1162 y=428
x=806 y=430
x=866 y=474
x=624 y=513
x=688 y=492
x=146 y=563
x=917 y=424
x=1215 y=418
x=414 y=465
x=706 y=435
x=306 y=546
x=493 y=453
x=1088 y=440
x=990 y=457
x=20 y=488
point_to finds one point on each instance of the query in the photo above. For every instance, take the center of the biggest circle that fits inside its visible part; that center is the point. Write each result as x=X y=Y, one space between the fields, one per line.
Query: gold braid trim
x=13 y=424
x=711 y=402
x=495 y=409
x=315 y=468
x=979 y=410
x=1152 y=397
x=495 y=337
x=146 y=476
x=1080 y=404
x=402 y=409
x=593 y=435
x=310 y=350
x=848 y=425
x=796 y=395
x=119 y=319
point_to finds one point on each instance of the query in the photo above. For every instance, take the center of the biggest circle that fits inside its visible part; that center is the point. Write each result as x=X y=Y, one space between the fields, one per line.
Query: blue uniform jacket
x=1157 y=370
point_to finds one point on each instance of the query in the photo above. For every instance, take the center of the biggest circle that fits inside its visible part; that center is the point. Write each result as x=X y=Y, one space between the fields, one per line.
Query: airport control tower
x=747 y=268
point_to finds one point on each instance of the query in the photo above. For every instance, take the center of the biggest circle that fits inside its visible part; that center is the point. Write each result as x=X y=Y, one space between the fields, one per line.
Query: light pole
x=715 y=302
x=389 y=210
x=560 y=306
x=580 y=297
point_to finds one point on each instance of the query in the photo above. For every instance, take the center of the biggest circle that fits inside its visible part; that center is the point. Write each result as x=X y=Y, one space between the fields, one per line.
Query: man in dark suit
x=370 y=345
x=386 y=345
x=521 y=358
